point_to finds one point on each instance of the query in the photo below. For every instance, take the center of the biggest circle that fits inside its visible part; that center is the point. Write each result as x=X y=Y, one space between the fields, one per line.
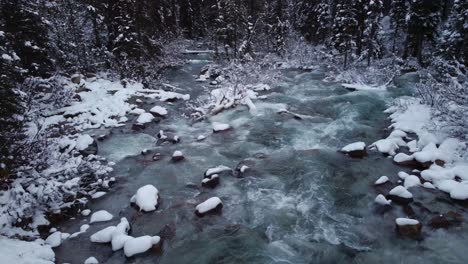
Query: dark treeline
x=39 y=38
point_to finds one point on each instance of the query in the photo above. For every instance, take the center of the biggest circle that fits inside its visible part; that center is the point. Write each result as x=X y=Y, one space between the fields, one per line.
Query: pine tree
x=314 y=20
x=27 y=33
x=372 y=22
x=454 y=41
x=344 y=29
x=423 y=20
x=398 y=13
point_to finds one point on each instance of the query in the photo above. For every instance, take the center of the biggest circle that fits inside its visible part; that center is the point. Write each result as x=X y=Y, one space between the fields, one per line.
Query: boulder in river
x=445 y=220
x=211 y=181
x=355 y=150
x=410 y=228
x=177 y=156
x=400 y=195
x=211 y=206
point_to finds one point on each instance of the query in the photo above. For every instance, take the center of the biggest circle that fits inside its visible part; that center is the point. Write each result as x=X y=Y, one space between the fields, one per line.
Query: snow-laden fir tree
x=371 y=41
x=344 y=29
x=454 y=40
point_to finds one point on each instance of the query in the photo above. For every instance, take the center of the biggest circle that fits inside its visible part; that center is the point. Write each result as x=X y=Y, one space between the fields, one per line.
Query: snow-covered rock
x=381 y=200
x=55 y=239
x=400 y=195
x=201 y=138
x=408 y=228
x=91 y=260
x=138 y=245
x=381 y=180
x=355 y=150
x=211 y=181
x=460 y=192
x=212 y=205
x=177 y=156
x=85 y=212
x=97 y=195
x=104 y=235
x=411 y=181
x=159 y=110
x=101 y=216
x=217 y=170
x=219 y=127
x=145 y=118
x=146 y=198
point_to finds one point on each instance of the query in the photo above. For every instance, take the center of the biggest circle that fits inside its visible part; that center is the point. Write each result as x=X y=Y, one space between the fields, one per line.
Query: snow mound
x=208 y=205
x=401 y=191
x=219 y=127
x=354 y=146
x=83 y=141
x=411 y=181
x=217 y=170
x=145 y=118
x=406 y=221
x=381 y=180
x=54 y=239
x=380 y=199
x=146 y=198
x=138 y=245
x=104 y=235
x=91 y=260
x=159 y=110
x=101 y=216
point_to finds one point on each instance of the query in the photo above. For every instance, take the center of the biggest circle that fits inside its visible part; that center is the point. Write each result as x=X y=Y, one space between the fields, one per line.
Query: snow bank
x=101 y=216
x=146 y=198
x=13 y=251
x=83 y=141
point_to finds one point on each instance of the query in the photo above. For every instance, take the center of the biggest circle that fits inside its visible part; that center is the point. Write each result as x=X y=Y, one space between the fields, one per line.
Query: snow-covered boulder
x=211 y=181
x=86 y=145
x=220 y=127
x=381 y=200
x=138 y=245
x=201 y=138
x=104 y=235
x=91 y=260
x=221 y=169
x=210 y=206
x=159 y=111
x=145 y=118
x=55 y=239
x=157 y=156
x=101 y=216
x=400 y=195
x=408 y=228
x=177 y=156
x=85 y=212
x=120 y=234
x=381 y=180
x=411 y=181
x=355 y=150
x=406 y=160
x=146 y=198
x=460 y=192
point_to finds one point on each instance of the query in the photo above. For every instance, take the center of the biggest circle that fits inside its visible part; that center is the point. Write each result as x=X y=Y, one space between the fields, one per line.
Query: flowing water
x=301 y=202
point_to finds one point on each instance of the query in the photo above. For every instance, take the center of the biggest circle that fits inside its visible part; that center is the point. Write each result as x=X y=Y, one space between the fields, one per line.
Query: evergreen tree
x=371 y=41
x=423 y=20
x=398 y=19
x=454 y=41
x=314 y=20
x=344 y=29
